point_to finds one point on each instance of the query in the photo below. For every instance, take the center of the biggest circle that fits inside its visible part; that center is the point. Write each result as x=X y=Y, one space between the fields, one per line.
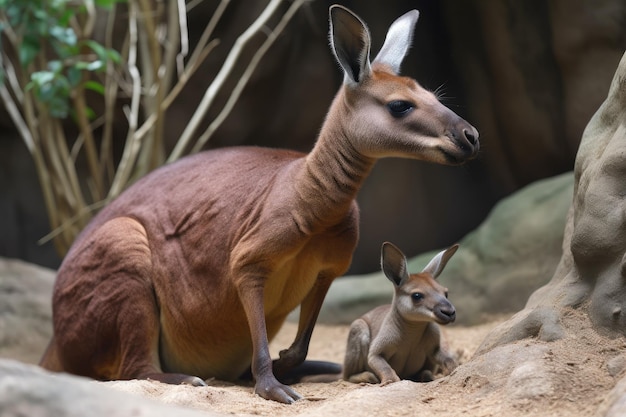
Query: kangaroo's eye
x=416 y=296
x=399 y=108
x=446 y=294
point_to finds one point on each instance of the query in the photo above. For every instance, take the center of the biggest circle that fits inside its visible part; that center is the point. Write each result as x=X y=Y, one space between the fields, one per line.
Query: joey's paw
x=271 y=389
x=193 y=381
x=389 y=380
x=175 y=379
x=449 y=365
x=363 y=378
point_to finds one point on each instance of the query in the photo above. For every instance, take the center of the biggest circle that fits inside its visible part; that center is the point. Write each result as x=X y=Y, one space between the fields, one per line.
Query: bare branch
x=93 y=164
x=196 y=56
x=17 y=118
x=243 y=80
x=220 y=79
x=133 y=143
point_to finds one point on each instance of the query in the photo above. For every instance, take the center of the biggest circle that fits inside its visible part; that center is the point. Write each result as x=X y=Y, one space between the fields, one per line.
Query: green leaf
x=90 y=113
x=63 y=35
x=114 y=56
x=90 y=66
x=28 y=51
x=108 y=4
x=99 y=50
x=74 y=75
x=59 y=109
x=105 y=4
x=94 y=86
x=41 y=78
x=15 y=15
x=55 y=66
x=104 y=54
x=66 y=16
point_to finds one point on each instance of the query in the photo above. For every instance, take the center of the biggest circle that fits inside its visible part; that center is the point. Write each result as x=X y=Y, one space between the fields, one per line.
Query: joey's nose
x=446 y=313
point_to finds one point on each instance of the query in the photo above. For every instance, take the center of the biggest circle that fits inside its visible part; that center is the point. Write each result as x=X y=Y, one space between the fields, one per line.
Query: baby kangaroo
x=402 y=340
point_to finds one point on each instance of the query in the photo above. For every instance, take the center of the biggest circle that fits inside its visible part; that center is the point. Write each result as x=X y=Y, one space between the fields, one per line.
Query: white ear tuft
x=436 y=265
x=350 y=42
x=398 y=41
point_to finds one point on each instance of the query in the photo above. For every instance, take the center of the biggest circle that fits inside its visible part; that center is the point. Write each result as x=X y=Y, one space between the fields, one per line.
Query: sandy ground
x=327 y=343
x=569 y=377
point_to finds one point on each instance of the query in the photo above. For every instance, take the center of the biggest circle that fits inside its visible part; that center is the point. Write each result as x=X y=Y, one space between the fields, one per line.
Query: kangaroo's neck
x=334 y=170
x=404 y=326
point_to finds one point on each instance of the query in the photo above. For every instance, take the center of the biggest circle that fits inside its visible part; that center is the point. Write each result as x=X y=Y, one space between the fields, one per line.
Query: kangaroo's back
x=172 y=195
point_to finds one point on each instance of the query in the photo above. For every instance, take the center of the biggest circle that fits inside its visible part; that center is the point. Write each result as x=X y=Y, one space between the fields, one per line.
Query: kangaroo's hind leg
x=105 y=311
x=355 y=368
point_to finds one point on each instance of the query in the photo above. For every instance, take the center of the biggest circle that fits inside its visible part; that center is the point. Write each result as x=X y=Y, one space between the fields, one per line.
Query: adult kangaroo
x=190 y=271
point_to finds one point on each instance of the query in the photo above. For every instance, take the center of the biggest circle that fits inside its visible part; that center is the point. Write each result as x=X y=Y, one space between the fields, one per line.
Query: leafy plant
x=53 y=63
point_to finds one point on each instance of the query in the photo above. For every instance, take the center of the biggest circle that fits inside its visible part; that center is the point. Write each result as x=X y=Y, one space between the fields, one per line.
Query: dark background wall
x=528 y=74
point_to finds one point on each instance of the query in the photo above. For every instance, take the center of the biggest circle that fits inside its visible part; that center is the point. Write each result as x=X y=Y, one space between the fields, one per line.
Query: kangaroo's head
x=418 y=297
x=384 y=114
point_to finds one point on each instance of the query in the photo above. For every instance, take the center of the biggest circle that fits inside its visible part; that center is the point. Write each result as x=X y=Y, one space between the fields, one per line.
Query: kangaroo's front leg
x=309 y=311
x=267 y=386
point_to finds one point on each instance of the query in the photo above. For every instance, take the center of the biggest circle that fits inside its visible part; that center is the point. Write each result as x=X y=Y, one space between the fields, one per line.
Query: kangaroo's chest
x=408 y=360
x=409 y=353
x=297 y=274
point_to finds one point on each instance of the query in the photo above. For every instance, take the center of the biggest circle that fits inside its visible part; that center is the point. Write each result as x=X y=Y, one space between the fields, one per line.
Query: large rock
x=497 y=267
x=29 y=391
x=25 y=310
x=590 y=278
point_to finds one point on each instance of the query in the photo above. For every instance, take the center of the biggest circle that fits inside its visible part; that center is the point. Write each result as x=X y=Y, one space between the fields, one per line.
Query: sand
x=570 y=377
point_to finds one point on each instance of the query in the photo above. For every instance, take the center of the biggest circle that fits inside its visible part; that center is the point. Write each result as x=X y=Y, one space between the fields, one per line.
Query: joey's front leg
x=382 y=369
x=309 y=310
x=445 y=360
x=267 y=386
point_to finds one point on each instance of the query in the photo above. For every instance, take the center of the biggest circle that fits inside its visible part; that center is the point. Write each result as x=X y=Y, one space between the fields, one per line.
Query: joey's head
x=384 y=114
x=418 y=297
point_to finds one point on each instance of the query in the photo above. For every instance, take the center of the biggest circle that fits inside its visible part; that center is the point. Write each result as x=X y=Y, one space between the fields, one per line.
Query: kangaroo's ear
x=398 y=41
x=436 y=265
x=350 y=42
x=393 y=263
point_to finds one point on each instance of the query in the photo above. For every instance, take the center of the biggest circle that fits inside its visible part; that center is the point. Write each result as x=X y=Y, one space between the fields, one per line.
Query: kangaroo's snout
x=445 y=312
x=465 y=137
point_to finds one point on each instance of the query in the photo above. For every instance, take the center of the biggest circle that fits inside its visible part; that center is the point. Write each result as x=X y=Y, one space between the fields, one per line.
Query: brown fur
x=191 y=271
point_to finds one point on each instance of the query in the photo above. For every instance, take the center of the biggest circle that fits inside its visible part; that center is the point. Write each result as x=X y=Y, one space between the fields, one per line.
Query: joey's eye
x=399 y=108
x=416 y=296
x=446 y=294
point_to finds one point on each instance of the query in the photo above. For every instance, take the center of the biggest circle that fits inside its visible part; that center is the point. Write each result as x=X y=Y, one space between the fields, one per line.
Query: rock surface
x=590 y=278
x=25 y=309
x=30 y=391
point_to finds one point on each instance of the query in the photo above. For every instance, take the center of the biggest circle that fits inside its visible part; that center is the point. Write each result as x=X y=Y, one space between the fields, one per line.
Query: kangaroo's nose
x=446 y=313
x=471 y=135
x=468 y=140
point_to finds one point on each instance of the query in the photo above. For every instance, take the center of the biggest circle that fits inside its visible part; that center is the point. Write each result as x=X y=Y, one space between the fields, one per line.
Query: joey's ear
x=350 y=42
x=436 y=265
x=393 y=263
x=398 y=41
